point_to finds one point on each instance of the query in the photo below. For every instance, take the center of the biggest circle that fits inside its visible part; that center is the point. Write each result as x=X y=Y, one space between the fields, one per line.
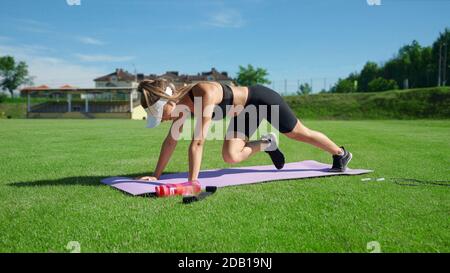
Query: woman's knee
x=230 y=157
x=230 y=150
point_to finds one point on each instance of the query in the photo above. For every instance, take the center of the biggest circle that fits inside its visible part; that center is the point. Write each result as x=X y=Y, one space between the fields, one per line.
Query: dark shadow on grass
x=71 y=181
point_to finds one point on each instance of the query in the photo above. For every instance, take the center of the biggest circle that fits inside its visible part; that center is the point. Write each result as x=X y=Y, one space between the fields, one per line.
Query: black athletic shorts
x=262 y=103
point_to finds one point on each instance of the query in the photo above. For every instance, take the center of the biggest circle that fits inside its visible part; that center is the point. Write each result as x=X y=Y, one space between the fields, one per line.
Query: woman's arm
x=165 y=154
x=201 y=130
x=168 y=147
x=196 y=149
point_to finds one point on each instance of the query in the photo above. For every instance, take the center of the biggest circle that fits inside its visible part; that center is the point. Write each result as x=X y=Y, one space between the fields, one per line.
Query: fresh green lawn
x=50 y=192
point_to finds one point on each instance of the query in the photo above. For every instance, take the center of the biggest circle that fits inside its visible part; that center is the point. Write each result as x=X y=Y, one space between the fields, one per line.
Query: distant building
x=114 y=95
x=212 y=75
x=118 y=78
x=121 y=78
x=73 y=102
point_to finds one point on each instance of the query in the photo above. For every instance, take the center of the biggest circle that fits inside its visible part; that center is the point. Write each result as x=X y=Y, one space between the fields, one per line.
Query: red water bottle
x=187 y=188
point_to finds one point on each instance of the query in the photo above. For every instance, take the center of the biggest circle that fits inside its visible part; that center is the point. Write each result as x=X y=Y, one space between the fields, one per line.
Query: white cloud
x=33 y=29
x=103 y=58
x=30 y=22
x=90 y=41
x=52 y=71
x=5 y=39
x=226 y=18
x=33 y=26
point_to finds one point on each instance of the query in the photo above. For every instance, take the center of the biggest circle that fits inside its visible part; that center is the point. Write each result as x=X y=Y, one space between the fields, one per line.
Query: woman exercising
x=215 y=101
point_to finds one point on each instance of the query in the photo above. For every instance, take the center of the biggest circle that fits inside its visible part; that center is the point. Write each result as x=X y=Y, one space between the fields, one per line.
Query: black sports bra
x=227 y=100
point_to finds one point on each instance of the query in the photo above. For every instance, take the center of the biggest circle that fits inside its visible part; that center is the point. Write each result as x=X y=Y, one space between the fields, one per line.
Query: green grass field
x=50 y=192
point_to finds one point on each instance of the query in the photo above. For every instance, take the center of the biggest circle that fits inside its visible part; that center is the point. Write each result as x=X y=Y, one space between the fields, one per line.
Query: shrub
x=344 y=86
x=3 y=97
x=421 y=103
x=381 y=84
x=304 y=89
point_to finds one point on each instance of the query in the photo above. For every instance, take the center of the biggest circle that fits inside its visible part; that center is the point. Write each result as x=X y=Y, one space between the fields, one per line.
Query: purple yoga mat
x=232 y=176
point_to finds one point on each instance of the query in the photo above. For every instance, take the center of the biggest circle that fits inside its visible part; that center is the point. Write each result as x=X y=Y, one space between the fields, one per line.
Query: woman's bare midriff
x=240 y=95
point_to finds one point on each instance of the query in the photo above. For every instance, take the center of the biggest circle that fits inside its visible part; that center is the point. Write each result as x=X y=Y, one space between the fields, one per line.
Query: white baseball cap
x=155 y=111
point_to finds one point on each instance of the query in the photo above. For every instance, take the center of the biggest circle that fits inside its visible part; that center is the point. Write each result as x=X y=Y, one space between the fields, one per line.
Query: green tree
x=427 y=77
x=369 y=72
x=13 y=74
x=416 y=64
x=248 y=76
x=444 y=38
x=392 y=70
x=344 y=86
x=347 y=85
x=413 y=63
x=411 y=59
x=381 y=84
x=3 y=97
x=304 y=89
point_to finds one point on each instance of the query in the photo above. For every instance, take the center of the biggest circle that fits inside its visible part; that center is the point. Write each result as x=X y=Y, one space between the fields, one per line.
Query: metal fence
x=288 y=87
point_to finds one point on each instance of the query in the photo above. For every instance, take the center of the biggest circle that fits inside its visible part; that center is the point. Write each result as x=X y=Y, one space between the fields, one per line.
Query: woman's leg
x=304 y=134
x=341 y=157
x=238 y=149
x=236 y=146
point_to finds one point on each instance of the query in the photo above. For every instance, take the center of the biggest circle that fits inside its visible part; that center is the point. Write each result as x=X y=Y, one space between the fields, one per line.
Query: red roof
x=66 y=86
x=37 y=88
x=120 y=74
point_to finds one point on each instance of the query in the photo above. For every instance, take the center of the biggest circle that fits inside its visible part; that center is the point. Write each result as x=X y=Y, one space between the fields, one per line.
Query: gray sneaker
x=340 y=162
x=274 y=152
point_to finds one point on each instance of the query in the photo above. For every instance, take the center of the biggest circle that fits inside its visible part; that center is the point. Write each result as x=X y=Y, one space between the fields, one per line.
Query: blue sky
x=292 y=39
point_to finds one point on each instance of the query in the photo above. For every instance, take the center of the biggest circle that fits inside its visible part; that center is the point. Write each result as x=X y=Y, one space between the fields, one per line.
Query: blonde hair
x=153 y=90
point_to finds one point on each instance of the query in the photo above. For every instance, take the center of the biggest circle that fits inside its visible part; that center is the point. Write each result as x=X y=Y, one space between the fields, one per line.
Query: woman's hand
x=146 y=178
